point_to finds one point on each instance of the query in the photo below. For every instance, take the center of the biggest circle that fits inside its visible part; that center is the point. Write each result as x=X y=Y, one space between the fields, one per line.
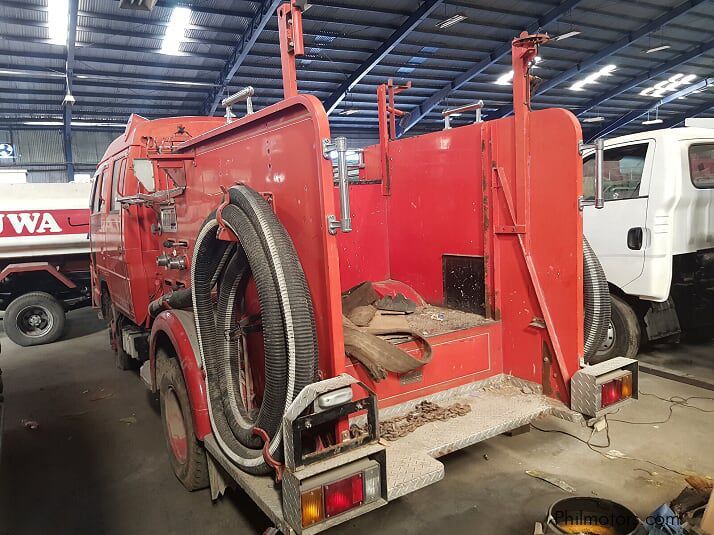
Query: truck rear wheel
x=623 y=333
x=34 y=318
x=186 y=453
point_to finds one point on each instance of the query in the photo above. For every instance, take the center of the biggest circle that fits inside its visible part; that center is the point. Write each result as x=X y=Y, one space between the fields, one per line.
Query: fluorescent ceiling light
x=451 y=21
x=507 y=77
x=593 y=78
x=567 y=35
x=652 y=121
x=58 y=19
x=74 y=123
x=349 y=111
x=597 y=119
x=670 y=85
x=176 y=31
x=657 y=49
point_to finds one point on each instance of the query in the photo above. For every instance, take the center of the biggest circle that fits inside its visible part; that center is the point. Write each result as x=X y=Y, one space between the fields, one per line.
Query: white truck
x=655 y=235
x=44 y=258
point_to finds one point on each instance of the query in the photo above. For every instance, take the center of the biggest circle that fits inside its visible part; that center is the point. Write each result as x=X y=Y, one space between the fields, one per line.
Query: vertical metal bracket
x=345 y=222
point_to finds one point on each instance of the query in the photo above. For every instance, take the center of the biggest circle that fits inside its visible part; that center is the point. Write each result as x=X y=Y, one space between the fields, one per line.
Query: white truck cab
x=655 y=234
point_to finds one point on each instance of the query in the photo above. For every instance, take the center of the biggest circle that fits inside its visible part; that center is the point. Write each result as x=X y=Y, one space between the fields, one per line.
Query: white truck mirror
x=144 y=171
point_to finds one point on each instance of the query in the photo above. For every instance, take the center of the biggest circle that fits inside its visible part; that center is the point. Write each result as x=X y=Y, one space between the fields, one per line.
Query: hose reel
x=266 y=255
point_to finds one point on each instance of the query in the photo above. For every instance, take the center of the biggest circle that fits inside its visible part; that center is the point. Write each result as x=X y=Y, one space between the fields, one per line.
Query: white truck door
x=617 y=232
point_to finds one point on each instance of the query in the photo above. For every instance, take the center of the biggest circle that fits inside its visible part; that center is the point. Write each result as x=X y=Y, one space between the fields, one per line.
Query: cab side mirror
x=144 y=172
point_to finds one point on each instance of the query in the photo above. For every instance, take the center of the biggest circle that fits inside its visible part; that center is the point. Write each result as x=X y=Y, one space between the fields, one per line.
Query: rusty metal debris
x=424 y=413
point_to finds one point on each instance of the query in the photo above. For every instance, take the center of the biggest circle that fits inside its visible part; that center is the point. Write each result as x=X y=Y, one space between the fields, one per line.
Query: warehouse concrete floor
x=96 y=463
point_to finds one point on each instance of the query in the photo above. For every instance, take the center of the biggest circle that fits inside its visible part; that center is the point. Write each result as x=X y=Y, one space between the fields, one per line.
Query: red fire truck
x=227 y=252
x=44 y=258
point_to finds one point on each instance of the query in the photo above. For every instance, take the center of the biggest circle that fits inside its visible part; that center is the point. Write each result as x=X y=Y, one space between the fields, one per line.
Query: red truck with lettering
x=44 y=258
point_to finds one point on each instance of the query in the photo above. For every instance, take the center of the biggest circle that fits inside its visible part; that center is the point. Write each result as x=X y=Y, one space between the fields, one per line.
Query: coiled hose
x=596 y=297
x=265 y=252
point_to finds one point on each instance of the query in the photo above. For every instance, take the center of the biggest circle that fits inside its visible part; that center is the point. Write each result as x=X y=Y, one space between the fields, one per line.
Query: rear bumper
x=499 y=404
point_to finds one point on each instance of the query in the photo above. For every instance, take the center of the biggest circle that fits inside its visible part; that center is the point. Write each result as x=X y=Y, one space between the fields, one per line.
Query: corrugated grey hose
x=290 y=341
x=596 y=297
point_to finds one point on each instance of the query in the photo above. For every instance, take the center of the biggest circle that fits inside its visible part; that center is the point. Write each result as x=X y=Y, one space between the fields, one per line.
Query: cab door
x=618 y=232
x=117 y=275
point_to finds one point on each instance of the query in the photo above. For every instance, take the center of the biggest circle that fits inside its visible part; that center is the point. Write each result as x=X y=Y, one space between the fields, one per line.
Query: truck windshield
x=622 y=170
x=701 y=165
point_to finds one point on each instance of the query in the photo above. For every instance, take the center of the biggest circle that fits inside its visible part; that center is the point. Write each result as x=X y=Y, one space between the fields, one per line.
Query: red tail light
x=343 y=495
x=616 y=389
x=611 y=393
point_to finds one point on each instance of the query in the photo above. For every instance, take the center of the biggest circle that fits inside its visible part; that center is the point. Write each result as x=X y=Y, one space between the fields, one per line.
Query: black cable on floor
x=592 y=447
x=674 y=401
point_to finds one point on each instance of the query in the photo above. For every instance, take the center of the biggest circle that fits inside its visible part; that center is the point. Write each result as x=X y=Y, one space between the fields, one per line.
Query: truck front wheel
x=34 y=318
x=186 y=453
x=623 y=333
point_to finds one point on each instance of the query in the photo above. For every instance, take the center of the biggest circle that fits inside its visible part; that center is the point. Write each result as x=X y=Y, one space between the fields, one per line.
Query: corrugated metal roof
x=119 y=69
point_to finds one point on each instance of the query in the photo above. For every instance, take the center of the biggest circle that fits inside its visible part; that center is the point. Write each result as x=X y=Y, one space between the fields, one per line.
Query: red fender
x=180 y=328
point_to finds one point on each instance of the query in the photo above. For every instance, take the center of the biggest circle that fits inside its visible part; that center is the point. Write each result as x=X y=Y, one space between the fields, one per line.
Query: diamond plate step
x=497 y=406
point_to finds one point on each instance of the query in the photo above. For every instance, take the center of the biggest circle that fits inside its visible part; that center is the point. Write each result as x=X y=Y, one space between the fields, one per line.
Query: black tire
x=189 y=464
x=34 y=318
x=624 y=335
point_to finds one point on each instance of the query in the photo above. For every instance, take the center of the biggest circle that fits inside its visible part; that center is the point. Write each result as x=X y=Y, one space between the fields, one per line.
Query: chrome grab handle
x=599 y=147
x=447 y=113
x=345 y=222
x=244 y=94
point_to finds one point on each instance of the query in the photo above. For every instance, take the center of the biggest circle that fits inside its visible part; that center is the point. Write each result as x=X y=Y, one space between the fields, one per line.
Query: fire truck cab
x=126 y=239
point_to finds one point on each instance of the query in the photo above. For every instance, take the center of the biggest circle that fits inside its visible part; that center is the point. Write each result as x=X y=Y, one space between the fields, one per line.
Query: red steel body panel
x=463 y=357
x=286 y=160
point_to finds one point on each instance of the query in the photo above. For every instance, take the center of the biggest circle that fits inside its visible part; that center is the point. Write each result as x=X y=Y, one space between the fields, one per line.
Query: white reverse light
x=593 y=78
x=507 y=77
x=669 y=85
x=58 y=20
x=176 y=31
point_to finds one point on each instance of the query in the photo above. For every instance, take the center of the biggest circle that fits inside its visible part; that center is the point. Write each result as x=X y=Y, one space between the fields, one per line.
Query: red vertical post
x=383 y=137
x=524 y=51
x=391 y=108
x=291 y=45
